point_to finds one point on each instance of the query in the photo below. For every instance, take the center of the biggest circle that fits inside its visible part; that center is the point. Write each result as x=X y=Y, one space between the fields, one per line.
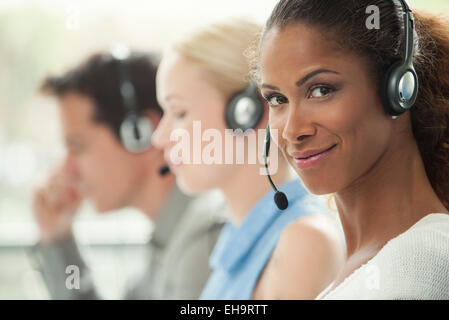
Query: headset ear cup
x=135 y=133
x=399 y=89
x=243 y=111
x=388 y=91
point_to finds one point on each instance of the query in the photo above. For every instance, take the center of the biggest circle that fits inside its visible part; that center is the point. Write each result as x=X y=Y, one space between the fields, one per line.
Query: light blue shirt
x=242 y=253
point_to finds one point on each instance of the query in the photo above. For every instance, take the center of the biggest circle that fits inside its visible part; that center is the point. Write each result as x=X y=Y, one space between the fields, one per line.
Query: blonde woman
x=262 y=253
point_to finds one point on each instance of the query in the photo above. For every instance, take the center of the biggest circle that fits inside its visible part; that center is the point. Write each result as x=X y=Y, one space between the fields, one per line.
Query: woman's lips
x=310 y=161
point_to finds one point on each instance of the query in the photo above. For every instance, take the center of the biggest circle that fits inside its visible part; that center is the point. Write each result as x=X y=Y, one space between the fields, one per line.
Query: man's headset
x=399 y=91
x=136 y=129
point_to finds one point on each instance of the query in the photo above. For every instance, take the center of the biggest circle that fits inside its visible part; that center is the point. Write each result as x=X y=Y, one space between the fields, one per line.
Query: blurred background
x=38 y=38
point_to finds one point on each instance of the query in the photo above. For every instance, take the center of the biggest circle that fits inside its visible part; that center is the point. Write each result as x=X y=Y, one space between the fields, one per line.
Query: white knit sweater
x=413 y=265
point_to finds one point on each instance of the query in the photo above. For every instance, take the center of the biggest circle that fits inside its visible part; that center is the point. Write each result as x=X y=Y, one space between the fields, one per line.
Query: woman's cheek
x=194 y=179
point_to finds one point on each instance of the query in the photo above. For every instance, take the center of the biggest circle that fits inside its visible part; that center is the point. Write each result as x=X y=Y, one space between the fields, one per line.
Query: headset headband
x=409 y=27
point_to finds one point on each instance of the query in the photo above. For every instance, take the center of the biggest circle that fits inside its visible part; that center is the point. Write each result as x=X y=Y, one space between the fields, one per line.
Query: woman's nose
x=298 y=126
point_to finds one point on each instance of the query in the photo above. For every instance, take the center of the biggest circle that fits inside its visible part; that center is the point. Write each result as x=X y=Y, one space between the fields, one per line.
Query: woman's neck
x=387 y=200
x=247 y=187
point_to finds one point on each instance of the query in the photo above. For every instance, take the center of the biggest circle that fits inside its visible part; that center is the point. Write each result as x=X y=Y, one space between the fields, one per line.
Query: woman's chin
x=188 y=186
x=318 y=185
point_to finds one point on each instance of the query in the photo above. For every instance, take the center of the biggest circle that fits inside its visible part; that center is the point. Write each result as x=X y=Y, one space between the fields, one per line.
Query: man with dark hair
x=100 y=167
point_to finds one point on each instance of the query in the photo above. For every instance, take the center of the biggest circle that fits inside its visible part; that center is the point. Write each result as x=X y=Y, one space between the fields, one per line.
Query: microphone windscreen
x=164 y=170
x=281 y=200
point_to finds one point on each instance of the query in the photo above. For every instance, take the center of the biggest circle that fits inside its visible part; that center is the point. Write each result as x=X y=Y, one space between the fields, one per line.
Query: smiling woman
x=323 y=75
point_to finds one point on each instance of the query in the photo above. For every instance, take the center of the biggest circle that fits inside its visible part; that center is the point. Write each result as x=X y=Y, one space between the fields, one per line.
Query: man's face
x=99 y=166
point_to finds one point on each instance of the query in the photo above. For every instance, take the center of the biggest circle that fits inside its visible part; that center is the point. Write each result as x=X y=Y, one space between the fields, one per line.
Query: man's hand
x=55 y=206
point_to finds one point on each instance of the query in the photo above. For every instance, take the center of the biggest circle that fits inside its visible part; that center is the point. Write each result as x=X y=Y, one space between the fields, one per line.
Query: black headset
x=135 y=129
x=400 y=84
x=399 y=91
x=279 y=197
x=245 y=109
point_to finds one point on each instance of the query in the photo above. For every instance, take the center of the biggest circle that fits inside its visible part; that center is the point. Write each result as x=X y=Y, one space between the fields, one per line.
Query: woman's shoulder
x=430 y=235
x=315 y=236
x=438 y=220
x=307 y=257
x=413 y=265
x=418 y=260
x=427 y=241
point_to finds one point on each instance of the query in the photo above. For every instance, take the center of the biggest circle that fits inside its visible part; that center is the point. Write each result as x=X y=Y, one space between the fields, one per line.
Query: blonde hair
x=222 y=50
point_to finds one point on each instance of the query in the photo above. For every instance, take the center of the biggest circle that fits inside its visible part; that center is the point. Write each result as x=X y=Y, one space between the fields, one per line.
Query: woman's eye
x=275 y=100
x=320 y=91
x=180 y=115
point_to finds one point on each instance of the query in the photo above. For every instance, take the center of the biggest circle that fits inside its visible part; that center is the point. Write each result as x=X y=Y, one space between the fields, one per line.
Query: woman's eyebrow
x=267 y=86
x=167 y=102
x=303 y=80
x=171 y=96
x=312 y=74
